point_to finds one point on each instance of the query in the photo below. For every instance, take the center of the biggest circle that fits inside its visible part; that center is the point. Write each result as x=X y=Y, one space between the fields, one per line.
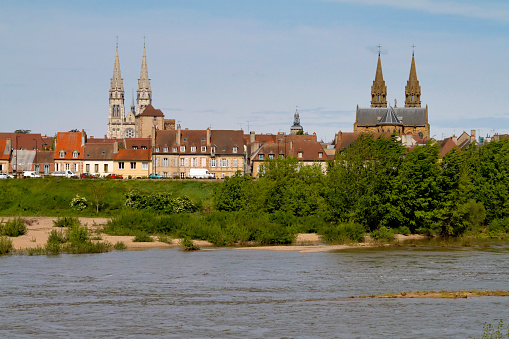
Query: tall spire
x=144 y=92
x=379 y=90
x=116 y=113
x=116 y=80
x=412 y=89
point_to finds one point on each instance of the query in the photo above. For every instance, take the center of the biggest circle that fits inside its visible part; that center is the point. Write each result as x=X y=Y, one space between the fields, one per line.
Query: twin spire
x=412 y=89
x=144 y=92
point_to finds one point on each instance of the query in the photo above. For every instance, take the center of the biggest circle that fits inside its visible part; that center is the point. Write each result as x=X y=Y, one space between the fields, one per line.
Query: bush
x=142 y=237
x=187 y=244
x=57 y=237
x=343 y=233
x=119 y=246
x=14 y=227
x=402 y=230
x=66 y=222
x=6 y=246
x=164 y=238
x=383 y=233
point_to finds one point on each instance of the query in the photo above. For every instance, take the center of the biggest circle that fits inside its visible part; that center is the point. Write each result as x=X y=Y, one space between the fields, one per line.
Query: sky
x=231 y=64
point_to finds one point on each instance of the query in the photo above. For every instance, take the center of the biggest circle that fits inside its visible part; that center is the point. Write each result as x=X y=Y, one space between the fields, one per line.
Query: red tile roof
x=150 y=111
x=26 y=141
x=130 y=143
x=132 y=155
x=5 y=152
x=292 y=146
x=69 y=142
x=446 y=146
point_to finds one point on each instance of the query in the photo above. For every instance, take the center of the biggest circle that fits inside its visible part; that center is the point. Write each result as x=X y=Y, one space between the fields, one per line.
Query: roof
x=99 y=151
x=446 y=146
x=150 y=111
x=69 y=142
x=261 y=138
x=390 y=117
x=345 y=139
x=371 y=116
x=92 y=140
x=132 y=155
x=5 y=152
x=130 y=143
x=165 y=138
x=44 y=157
x=24 y=140
x=225 y=140
x=292 y=145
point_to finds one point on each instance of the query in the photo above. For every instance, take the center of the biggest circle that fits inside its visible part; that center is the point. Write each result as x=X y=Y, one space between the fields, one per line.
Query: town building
x=132 y=163
x=411 y=119
x=69 y=151
x=98 y=158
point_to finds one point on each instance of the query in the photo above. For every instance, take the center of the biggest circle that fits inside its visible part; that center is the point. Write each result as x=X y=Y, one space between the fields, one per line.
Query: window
x=76 y=166
x=213 y=149
x=185 y=139
x=182 y=148
x=281 y=156
x=181 y=161
x=175 y=162
x=224 y=162
x=194 y=162
x=133 y=165
x=87 y=168
x=157 y=161
x=57 y=167
x=203 y=139
x=320 y=155
x=143 y=147
x=165 y=149
x=75 y=154
x=193 y=148
x=156 y=149
x=182 y=175
x=223 y=175
x=260 y=156
x=165 y=174
x=36 y=168
x=299 y=155
x=61 y=154
x=203 y=162
x=96 y=168
x=144 y=165
x=204 y=149
x=235 y=149
x=213 y=162
x=166 y=162
x=105 y=168
x=186 y=162
x=135 y=147
x=120 y=165
x=46 y=169
x=271 y=156
x=1 y=167
x=174 y=149
x=67 y=167
x=234 y=163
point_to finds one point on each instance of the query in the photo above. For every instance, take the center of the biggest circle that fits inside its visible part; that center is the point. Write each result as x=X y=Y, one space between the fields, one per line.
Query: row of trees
x=378 y=184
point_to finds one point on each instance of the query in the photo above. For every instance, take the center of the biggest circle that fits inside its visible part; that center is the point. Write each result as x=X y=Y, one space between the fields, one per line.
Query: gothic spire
x=412 y=89
x=116 y=80
x=144 y=97
x=379 y=90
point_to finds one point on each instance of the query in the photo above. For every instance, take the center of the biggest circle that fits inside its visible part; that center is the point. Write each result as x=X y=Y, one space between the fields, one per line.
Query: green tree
x=231 y=194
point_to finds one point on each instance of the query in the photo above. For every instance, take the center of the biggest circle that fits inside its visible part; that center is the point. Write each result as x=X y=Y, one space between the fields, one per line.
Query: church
x=119 y=125
x=411 y=119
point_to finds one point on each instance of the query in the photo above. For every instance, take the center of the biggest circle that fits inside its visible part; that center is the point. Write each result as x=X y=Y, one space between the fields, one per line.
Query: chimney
x=472 y=135
x=83 y=137
x=8 y=146
x=208 y=137
x=178 y=135
x=115 y=147
x=252 y=136
x=153 y=137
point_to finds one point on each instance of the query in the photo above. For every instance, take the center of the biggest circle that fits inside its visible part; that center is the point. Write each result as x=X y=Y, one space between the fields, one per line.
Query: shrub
x=6 y=246
x=39 y=250
x=142 y=237
x=187 y=244
x=498 y=227
x=66 y=222
x=402 y=230
x=87 y=247
x=78 y=234
x=164 y=238
x=343 y=233
x=79 y=203
x=119 y=246
x=14 y=227
x=57 y=237
x=383 y=233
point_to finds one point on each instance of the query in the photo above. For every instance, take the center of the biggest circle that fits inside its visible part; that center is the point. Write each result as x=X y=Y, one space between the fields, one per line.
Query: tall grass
x=6 y=246
x=13 y=227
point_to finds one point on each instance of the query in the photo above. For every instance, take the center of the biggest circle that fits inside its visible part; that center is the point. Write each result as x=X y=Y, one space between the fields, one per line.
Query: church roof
x=370 y=116
x=150 y=111
x=390 y=118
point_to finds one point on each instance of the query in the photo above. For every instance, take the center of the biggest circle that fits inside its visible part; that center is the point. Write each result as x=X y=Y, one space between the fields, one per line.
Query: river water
x=250 y=294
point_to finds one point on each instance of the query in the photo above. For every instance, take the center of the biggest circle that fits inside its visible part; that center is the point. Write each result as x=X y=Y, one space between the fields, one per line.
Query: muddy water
x=253 y=294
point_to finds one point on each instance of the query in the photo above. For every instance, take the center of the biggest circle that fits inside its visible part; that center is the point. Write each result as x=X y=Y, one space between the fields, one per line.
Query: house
x=177 y=151
x=69 y=150
x=44 y=163
x=305 y=148
x=5 y=155
x=25 y=141
x=98 y=158
x=132 y=163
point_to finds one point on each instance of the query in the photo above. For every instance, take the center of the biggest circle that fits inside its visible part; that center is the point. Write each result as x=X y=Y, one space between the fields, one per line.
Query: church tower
x=379 y=90
x=116 y=112
x=412 y=89
x=144 y=93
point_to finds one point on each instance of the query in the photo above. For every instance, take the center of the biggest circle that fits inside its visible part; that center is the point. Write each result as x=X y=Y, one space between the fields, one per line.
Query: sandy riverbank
x=39 y=229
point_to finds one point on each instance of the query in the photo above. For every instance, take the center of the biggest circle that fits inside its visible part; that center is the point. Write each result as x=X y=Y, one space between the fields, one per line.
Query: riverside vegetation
x=374 y=186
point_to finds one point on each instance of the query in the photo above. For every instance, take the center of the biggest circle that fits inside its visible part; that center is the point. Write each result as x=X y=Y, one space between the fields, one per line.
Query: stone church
x=411 y=119
x=120 y=125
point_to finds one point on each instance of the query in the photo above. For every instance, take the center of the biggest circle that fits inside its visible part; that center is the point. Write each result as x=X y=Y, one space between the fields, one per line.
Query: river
x=251 y=294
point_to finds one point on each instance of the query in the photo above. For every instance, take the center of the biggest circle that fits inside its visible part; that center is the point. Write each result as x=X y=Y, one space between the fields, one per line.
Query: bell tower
x=379 y=90
x=116 y=114
x=412 y=89
x=144 y=93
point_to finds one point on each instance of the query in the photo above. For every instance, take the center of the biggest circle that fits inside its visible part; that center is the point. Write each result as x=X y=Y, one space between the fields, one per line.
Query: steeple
x=412 y=89
x=296 y=127
x=144 y=93
x=379 y=90
x=116 y=113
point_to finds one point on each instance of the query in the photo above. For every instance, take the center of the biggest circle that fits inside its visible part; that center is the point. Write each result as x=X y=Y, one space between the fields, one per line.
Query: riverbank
x=39 y=228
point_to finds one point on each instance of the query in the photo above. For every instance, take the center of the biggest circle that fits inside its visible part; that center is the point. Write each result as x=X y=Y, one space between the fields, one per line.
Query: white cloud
x=485 y=10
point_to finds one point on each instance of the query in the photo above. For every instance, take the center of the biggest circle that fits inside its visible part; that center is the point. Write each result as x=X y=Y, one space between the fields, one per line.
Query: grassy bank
x=105 y=198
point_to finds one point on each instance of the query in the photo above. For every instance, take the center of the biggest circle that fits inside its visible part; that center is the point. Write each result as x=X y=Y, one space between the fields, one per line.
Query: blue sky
x=231 y=64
